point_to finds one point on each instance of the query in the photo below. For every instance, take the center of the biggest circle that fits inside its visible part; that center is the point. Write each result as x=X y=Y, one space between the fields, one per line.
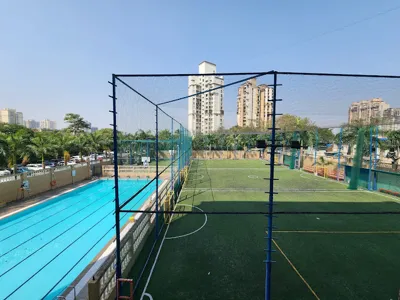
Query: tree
x=15 y=146
x=96 y=142
x=323 y=162
x=61 y=144
x=164 y=134
x=289 y=122
x=393 y=144
x=77 y=124
x=41 y=146
x=82 y=144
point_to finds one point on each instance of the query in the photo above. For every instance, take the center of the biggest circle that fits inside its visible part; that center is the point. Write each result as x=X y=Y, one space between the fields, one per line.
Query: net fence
x=204 y=146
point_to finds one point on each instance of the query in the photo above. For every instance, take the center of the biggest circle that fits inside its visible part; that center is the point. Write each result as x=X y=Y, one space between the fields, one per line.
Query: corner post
x=117 y=225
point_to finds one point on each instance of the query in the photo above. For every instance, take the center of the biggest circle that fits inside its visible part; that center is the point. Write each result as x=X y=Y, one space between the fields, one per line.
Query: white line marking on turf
x=193 y=232
x=253 y=176
x=158 y=253
x=383 y=195
x=154 y=264
x=201 y=176
x=305 y=177
x=148 y=295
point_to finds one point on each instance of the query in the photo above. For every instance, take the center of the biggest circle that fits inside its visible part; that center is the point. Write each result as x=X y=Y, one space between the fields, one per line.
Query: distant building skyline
x=253 y=105
x=32 y=124
x=366 y=110
x=11 y=116
x=48 y=124
x=375 y=109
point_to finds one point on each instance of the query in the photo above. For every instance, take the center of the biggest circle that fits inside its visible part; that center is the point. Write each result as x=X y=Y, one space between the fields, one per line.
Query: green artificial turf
x=215 y=256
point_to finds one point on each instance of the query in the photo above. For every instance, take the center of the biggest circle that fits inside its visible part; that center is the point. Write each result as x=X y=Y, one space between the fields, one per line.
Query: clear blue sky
x=57 y=56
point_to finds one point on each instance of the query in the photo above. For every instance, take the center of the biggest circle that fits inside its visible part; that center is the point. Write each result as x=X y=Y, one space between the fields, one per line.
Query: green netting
x=388 y=181
x=292 y=159
x=355 y=174
x=362 y=177
x=287 y=159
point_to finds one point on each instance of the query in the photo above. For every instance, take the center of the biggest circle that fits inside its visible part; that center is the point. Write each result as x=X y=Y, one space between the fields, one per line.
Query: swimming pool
x=44 y=248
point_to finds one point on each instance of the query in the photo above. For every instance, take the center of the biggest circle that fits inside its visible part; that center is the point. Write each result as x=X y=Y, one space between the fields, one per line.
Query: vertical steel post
x=117 y=225
x=156 y=146
x=339 y=152
x=172 y=154
x=271 y=196
x=376 y=154
x=370 y=160
x=316 y=150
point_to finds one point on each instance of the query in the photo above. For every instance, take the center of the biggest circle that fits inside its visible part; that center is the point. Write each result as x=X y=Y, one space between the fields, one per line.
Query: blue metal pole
x=339 y=152
x=370 y=160
x=271 y=197
x=376 y=154
x=172 y=154
x=156 y=235
x=117 y=225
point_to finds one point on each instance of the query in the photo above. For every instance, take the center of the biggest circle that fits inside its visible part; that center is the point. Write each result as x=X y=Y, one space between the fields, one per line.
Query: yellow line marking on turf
x=337 y=232
x=295 y=269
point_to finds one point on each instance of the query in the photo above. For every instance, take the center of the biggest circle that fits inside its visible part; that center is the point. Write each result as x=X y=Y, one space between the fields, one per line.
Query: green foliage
x=40 y=146
x=77 y=124
x=14 y=146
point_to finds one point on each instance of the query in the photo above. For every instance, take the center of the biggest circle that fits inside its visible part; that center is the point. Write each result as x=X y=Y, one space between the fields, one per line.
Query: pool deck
x=20 y=205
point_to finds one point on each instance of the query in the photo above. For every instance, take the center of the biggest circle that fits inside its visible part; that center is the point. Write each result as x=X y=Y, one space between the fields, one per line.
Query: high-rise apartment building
x=32 y=124
x=48 y=124
x=253 y=107
x=11 y=116
x=391 y=119
x=367 y=110
x=206 y=111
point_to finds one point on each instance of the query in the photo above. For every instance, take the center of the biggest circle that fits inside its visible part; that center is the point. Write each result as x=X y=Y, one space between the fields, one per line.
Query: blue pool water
x=44 y=248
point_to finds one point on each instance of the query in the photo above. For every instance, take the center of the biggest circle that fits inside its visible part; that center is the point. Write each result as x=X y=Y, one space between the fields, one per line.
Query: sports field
x=318 y=256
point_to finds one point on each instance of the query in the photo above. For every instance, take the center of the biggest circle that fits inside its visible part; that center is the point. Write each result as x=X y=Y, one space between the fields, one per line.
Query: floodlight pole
x=271 y=195
x=156 y=146
x=339 y=152
x=117 y=225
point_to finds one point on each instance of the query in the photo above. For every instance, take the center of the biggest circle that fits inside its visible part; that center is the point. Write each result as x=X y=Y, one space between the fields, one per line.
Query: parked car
x=4 y=172
x=60 y=163
x=22 y=170
x=71 y=162
x=34 y=167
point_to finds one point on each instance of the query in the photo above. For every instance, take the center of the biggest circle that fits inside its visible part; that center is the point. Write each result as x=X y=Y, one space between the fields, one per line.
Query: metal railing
x=8 y=178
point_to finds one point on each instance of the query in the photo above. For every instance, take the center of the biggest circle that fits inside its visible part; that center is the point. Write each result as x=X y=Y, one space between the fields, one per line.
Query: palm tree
x=41 y=146
x=82 y=144
x=97 y=143
x=14 y=146
x=323 y=162
x=230 y=141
